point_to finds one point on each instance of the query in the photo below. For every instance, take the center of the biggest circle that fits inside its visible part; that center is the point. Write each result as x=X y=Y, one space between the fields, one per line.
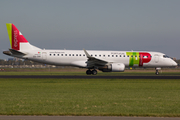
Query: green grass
x=112 y=97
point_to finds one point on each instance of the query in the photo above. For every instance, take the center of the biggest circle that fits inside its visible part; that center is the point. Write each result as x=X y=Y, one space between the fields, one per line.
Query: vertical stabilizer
x=17 y=40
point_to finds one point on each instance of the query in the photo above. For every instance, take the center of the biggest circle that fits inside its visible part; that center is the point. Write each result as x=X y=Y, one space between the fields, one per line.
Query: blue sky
x=122 y=25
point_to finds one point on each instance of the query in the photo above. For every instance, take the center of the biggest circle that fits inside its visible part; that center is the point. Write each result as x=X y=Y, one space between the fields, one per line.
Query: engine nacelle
x=117 y=67
x=114 y=67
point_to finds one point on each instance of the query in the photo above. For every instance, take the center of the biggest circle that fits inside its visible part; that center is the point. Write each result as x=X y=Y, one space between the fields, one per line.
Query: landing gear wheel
x=88 y=72
x=157 y=73
x=94 y=72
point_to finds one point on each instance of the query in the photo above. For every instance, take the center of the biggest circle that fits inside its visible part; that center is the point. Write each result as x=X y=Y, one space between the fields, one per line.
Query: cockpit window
x=165 y=56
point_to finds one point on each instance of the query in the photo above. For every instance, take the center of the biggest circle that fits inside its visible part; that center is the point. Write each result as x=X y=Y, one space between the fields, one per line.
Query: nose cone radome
x=174 y=63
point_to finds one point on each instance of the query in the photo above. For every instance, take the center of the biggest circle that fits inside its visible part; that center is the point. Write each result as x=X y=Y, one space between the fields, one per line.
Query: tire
x=88 y=72
x=157 y=73
x=94 y=72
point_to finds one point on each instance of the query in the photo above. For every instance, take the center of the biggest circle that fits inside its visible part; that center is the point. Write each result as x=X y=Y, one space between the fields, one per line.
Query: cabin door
x=156 y=58
x=44 y=55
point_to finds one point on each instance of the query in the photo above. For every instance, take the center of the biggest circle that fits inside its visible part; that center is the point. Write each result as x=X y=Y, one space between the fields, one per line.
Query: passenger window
x=112 y=55
x=95 y=55
x=61 y=54
x=83 y=54
x=54 y=54
x=108 y=55
x=99 y=55
x=50 y=54
x=79 y=54
x=131 y=55
x=76 y=54
x=65 y=54
x=58 y=54
x=128 y=56
x=69 y=54
x=124 y=55
x=120 y=56
x=72 y=54
x=116 y=55
x=104 y=55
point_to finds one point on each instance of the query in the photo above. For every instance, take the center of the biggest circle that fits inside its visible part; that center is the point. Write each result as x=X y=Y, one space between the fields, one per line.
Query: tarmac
x=89 y=77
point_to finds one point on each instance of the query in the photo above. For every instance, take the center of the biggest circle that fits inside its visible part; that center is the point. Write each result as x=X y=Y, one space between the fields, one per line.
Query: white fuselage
x=78 y=58
x=106 y=61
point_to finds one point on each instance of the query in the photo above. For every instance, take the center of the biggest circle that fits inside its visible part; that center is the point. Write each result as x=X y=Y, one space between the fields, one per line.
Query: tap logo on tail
x=15 y=36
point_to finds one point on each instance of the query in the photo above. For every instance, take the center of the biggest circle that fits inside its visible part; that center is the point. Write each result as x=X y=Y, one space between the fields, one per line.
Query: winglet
x=87 y=54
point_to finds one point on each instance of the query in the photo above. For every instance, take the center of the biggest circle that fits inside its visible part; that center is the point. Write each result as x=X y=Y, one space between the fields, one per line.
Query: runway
x=89 y=77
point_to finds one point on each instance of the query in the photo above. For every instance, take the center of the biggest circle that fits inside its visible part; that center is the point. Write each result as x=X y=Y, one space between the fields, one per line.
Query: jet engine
x=114 y=67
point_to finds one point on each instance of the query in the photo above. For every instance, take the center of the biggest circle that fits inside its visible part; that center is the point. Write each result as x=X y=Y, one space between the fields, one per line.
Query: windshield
x=165 y=56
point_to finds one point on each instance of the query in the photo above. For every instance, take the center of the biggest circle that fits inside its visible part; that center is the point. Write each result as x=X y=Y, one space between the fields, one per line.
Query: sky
x=121 y=25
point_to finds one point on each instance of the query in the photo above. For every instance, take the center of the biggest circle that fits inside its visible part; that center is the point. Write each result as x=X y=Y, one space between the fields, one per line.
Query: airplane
x=92 y=60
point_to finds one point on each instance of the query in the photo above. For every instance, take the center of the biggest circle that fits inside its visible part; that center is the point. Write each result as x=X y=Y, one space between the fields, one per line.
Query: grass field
x=112 y=97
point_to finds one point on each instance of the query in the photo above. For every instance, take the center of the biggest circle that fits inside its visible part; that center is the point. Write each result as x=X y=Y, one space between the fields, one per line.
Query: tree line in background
x=19 y=62
x=15 y=62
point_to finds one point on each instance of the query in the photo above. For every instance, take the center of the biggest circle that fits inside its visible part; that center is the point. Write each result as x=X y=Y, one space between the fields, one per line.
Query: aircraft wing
x=92 y=61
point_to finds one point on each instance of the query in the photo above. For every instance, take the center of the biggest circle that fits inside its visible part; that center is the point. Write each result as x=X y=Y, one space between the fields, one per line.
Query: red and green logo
x=138 y=58
x=15 y=36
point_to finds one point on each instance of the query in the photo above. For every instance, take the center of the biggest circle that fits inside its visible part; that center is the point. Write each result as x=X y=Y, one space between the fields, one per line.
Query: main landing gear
x=93 y=72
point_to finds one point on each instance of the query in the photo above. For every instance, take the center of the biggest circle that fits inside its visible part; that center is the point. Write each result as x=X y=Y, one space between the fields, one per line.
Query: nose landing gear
x=157 y=72
x=93 y=72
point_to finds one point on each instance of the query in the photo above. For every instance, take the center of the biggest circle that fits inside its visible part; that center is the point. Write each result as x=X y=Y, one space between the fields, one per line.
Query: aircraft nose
x=174 y=63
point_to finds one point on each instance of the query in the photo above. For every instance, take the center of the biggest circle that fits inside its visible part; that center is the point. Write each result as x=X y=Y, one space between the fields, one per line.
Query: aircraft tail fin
x=17 y=40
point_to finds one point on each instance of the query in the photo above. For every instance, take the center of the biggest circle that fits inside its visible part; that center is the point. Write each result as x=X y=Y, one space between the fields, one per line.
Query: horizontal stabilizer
x=7 y=53
x=15 y=52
